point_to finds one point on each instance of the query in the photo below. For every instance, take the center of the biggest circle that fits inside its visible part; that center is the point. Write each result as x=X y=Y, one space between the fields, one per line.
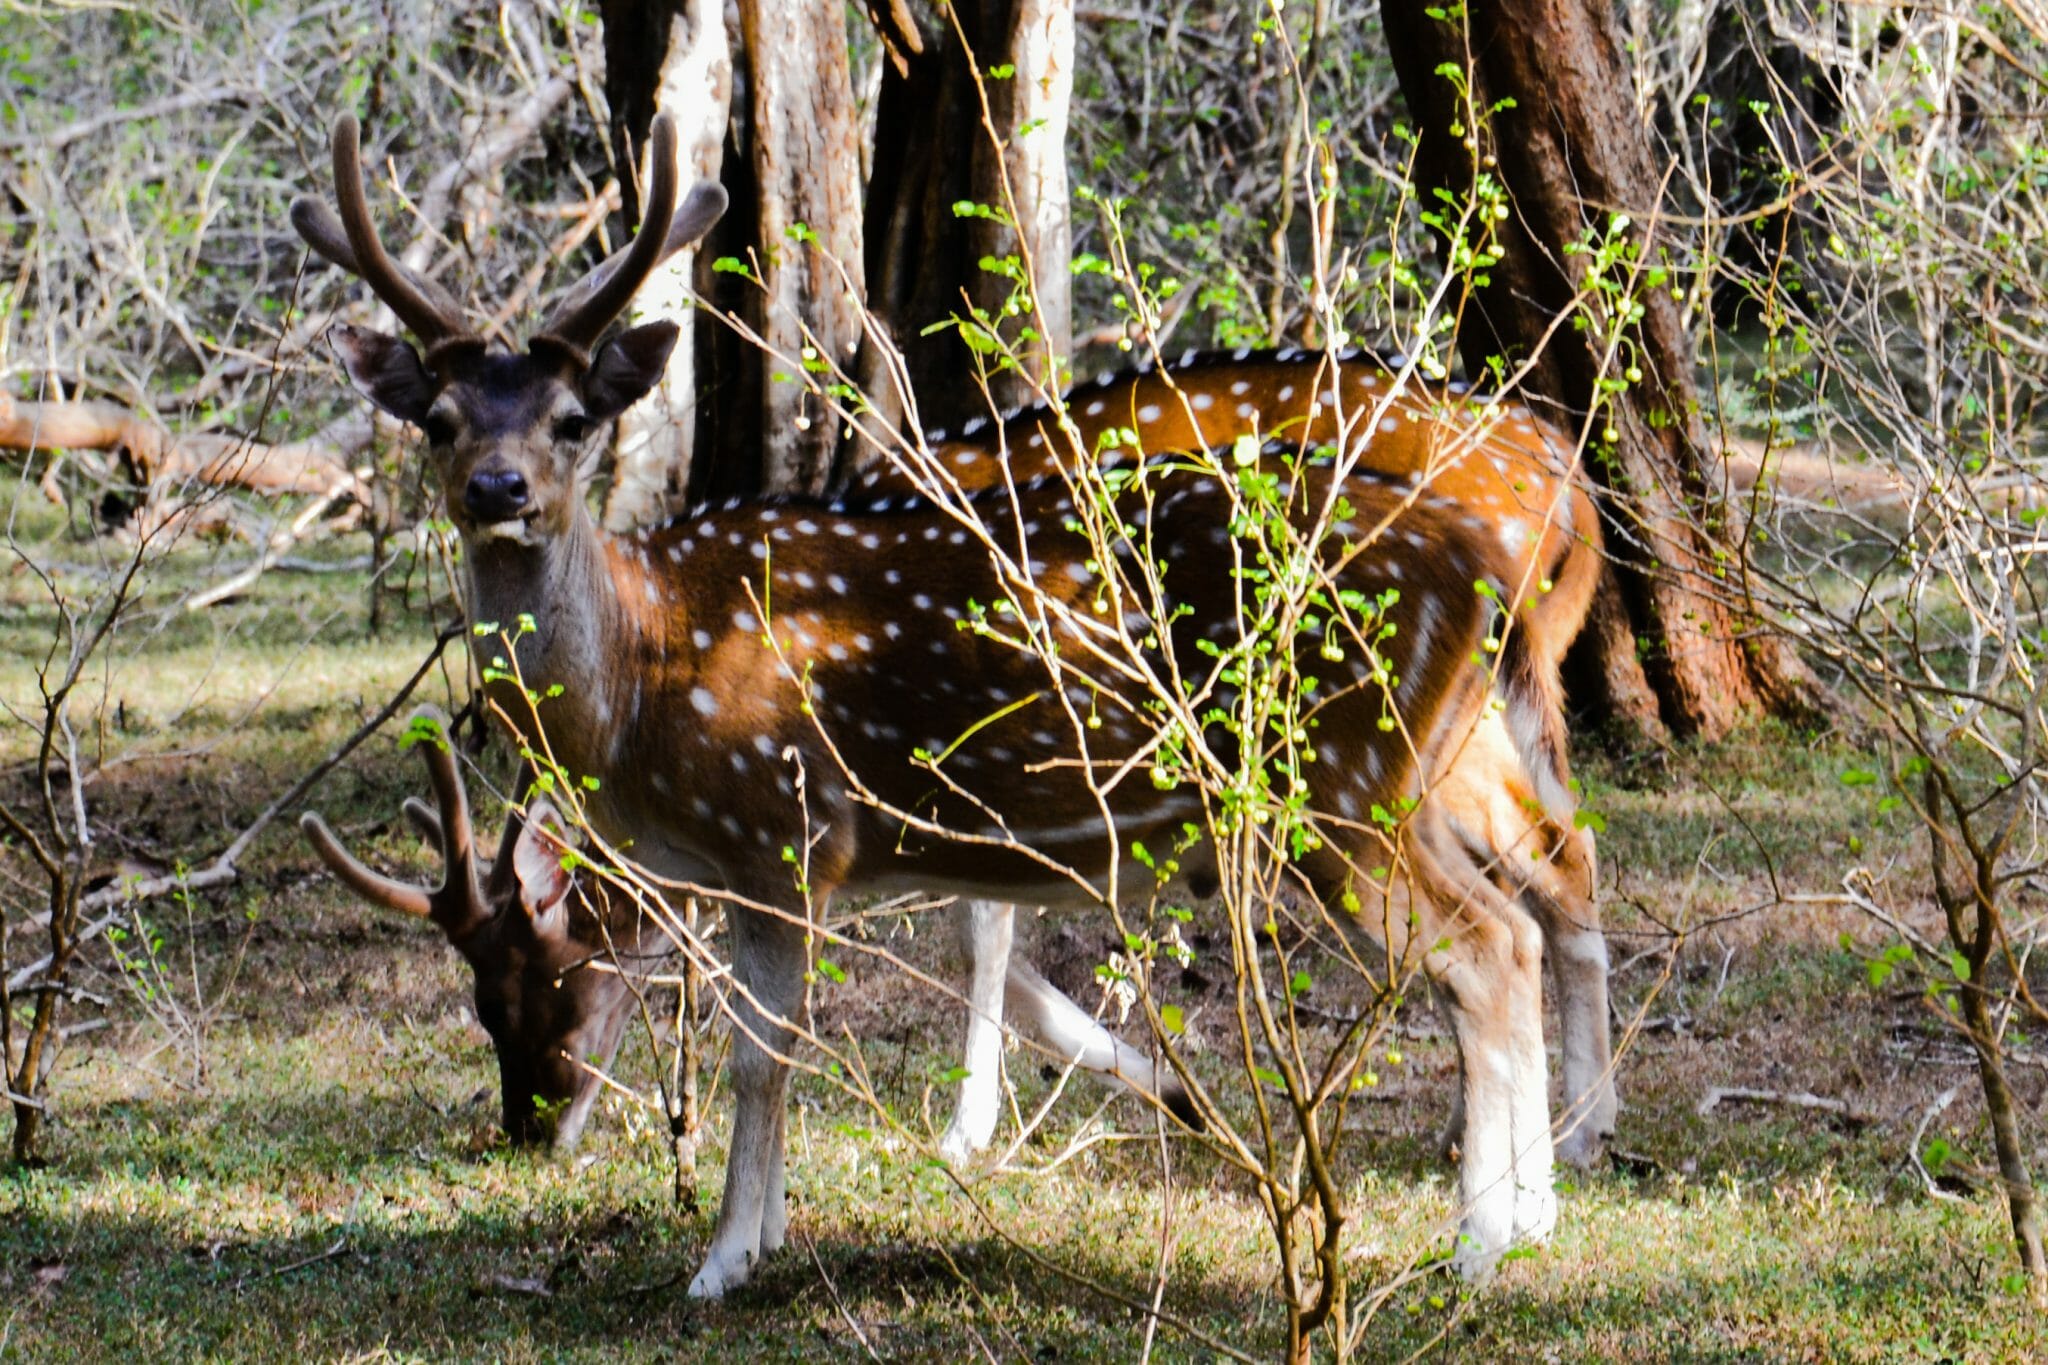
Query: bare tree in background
x=1544 y=104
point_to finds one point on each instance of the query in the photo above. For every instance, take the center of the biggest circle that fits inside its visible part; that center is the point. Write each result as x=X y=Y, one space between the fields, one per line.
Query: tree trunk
x=2021 y=1202
x=804 y=148
x=1571 y=152
x=692 y=80
x=933 y=149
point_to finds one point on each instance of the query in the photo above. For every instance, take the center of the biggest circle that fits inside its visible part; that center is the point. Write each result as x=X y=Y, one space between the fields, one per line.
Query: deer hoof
x=1535 y=1213
x=958 y=1147
x=722 y=1271
x=1582 y=1147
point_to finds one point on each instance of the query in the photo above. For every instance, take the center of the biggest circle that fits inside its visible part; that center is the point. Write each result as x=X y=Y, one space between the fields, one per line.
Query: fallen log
x=1810 y=478
x=1718 y=1095
x=152 y=453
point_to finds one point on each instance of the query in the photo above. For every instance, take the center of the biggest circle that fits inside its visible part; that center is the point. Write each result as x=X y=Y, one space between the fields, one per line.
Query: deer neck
x=580 y=633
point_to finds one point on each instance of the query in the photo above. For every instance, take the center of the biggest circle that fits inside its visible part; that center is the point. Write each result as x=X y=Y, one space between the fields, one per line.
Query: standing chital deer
x=551 y=400
x=703 y=712
x=1505 y=471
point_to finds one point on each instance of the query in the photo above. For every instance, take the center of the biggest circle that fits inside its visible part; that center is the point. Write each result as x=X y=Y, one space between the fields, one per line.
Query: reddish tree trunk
x=1571 y=152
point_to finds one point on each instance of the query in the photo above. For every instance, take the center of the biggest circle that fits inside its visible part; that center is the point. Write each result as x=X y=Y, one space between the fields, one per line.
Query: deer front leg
x=1575 y=961
x=986 y=930
x=1474 y=977
x=768 y=968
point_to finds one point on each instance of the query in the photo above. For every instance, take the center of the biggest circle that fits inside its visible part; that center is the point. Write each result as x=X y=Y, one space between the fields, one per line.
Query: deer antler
x=458 y=904
x=350 y=241
x=431 y=315
x=322 y=231
x=589 y=307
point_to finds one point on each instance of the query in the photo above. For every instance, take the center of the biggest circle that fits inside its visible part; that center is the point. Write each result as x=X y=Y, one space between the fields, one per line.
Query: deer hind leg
x=1491 y=970
x=1550 y=868
x=987 y=929
x=1575 y=958
x=1072 y=1034
x=768 y=969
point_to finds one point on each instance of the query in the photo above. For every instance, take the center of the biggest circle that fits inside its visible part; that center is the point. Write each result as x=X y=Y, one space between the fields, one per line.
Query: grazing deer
x=785 y=675
x=524 y=935
x=1504 y=470
x=527 y=940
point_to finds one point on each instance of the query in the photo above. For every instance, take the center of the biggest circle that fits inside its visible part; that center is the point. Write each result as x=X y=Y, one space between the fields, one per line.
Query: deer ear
x=385 y=370
x=626 y=367
x=537 y=862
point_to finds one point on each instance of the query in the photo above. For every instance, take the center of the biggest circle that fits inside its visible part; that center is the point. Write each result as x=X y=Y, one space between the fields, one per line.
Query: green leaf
x=1171 y=1019
x=1935 y=1155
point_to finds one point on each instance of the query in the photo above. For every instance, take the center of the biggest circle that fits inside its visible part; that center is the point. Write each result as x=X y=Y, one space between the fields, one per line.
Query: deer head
x=528 y=929
x=507 y=430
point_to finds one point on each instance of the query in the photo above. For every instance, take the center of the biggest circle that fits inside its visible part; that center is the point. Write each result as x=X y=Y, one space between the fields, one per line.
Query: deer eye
x=439 y=430
x=572 y=429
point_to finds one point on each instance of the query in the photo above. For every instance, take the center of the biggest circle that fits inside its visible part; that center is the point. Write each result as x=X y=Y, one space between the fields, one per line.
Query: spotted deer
x=1505 y=471
x=506 y=394
x=525 y=926
x=777 y=675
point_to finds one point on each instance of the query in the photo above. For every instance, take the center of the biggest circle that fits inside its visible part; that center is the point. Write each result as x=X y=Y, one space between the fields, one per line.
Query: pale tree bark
x=1571 y=150
x=805 y=156
x=656 y=438
x=933 y=148
x=1028 y=180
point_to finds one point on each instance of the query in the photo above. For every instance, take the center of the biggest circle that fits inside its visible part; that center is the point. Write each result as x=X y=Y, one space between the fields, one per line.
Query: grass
x=297 y=1160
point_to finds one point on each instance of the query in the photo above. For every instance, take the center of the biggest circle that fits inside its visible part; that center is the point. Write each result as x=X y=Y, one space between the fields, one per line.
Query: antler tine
x=503 y=874
x=322 y=231
x=591 y=306
x=429 y=321
x=703 y=206
x=429 y=825
x=374 y=887
x=459 y=903
x=423 y=819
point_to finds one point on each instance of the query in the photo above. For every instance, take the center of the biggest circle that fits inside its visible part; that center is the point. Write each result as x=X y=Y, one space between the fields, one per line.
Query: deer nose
x=495 y=495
